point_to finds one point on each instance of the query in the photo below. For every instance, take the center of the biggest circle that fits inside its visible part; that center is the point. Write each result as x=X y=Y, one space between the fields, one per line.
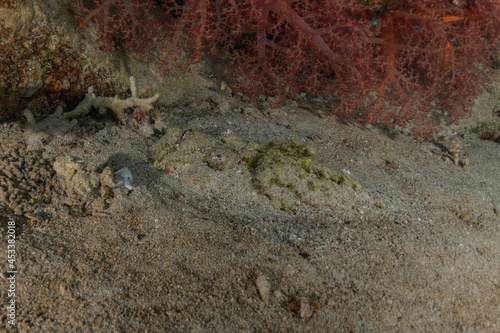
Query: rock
x=288 y=174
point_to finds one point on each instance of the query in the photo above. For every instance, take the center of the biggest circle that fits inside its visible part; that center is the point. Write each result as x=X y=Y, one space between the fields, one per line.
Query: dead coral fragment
x=112 y=103
x=96 y=193
x=454 y=146
x=77 y=181
x=38 y=133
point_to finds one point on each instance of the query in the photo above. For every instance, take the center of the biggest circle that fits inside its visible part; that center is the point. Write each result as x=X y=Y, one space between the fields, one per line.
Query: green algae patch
x=488 y=131
x=288 y=174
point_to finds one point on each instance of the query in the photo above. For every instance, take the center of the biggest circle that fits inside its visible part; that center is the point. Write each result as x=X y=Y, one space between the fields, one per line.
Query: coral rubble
x=114 y=104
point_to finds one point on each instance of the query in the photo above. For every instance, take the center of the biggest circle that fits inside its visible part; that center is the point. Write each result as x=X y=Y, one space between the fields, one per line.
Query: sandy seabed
x=415 y=249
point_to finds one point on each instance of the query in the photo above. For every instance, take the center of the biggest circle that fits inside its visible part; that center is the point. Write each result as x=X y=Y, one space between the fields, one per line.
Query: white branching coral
x=113 y=103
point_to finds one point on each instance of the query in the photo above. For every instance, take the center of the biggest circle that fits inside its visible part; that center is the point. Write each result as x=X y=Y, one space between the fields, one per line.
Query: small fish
x=449 y=18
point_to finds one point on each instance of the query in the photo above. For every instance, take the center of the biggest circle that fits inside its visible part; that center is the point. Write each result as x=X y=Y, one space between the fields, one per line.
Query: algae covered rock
x=182 y=150
x=288 y=174
x=77 y=181
x=285 y=172
x=81 y=183
x=101 y=194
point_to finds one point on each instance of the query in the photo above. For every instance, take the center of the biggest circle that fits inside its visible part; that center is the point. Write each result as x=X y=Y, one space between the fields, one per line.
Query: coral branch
x=112 y=103
x=281 y=8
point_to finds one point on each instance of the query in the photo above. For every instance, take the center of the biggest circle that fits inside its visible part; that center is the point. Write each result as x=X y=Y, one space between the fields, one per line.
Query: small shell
x=264 y=288
x=124 y=177
x=306 y=309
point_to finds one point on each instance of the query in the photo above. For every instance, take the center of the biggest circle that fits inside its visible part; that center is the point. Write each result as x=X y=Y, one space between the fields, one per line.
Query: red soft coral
x=390 y=65
x=282 y=47
x=430 y=66
x=129 y=24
